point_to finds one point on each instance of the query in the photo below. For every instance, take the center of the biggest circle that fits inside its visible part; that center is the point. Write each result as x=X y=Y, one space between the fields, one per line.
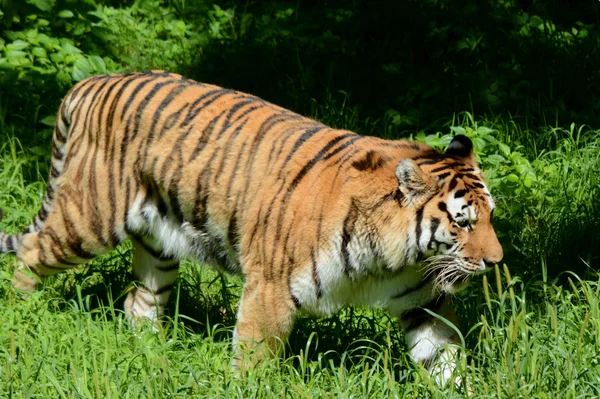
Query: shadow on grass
x=204 y=302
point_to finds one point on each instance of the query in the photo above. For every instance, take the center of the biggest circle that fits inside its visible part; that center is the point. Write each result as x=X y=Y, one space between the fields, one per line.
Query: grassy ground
x=524 y=335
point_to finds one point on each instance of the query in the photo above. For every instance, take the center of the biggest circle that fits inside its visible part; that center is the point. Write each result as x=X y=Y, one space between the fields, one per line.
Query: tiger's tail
x=12 y=242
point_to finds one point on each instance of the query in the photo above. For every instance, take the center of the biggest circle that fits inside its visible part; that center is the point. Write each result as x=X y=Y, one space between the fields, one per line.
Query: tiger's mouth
x=451 y=274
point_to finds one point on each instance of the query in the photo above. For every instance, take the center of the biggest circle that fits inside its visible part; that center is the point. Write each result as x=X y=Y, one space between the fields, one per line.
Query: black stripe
x=9 y=242
x=109 y=153
x=418 y=230
x=285 y=257
x=444 y=208
x=200 y=213
x=433 y=226
x=198 y=105
x=206 y=133
x=155 y=253
x=232 y=230
x=173 y=193
x=73 y=242
x=173 y=93
x=296 y=301
x=96 y=222
x=171 y=120
x=430 y=162
x=230 y=141
x=347 y=231
x=300 y=142
x=371 y=161
x=447 y=166
x=250 y=110
x=135 y=92
x=175 y=154
x=164 y=289
x=232 y=110
x=472 y=176
x=460 y=193
x=111 y=114
x=315 y=273
x=128 y=129
x=323 y=154
x=454 y=182
x=57 y=247
x=168 y=268
x=100 y=118
x=266 y=126
x=416 y=288
x=141 y=107
x=416 y=317
x=235 y=170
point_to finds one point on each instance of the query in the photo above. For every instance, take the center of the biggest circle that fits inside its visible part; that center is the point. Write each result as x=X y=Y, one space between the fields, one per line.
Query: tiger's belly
x=398 y=292
x=320 y=291
x=181 y=239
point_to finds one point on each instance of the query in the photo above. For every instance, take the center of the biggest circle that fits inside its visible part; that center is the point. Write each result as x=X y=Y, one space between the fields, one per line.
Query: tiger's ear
x=462 y=147
x=416 y=187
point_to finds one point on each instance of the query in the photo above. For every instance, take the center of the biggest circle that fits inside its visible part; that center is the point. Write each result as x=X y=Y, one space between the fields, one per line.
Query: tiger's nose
x=490 y=261
x=494 y=258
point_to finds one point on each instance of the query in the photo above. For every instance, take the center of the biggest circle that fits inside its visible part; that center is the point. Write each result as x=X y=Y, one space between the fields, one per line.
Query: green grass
x=533 y=334
x=543 y=341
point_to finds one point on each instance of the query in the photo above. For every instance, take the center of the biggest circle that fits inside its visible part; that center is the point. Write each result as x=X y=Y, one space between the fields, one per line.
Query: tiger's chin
x=452 y=274
x=453 y=285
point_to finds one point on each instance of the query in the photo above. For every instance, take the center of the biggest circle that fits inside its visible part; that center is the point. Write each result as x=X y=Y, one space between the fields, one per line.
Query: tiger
x=313 y=218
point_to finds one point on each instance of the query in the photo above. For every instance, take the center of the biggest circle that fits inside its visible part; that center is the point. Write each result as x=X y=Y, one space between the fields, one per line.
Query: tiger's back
x=312 y=217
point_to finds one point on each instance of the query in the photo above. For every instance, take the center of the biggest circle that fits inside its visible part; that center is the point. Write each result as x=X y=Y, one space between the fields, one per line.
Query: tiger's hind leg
x=62 y=243
x=154 y=277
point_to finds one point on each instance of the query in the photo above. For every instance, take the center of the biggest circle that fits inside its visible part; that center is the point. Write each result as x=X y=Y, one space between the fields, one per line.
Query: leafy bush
x=383 y=68
x=35 y=56
x=147 y=36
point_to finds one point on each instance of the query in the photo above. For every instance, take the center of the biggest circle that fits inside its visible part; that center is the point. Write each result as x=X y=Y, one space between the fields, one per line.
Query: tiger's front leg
x=265 y=319
x=430 y=341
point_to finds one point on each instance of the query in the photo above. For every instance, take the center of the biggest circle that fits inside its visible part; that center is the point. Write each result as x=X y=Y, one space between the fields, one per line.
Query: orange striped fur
x=314 y=218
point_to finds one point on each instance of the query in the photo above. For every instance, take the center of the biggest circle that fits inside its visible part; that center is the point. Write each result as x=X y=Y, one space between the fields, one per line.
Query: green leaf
x=504 y=148
x=17 y=45
x=81 y=69
x=63 y=78
x=458 y=129
x=512 y=178
x=44 y=5
x=39 y=52
x=484 y=130
x=245 y=24
x=97 y=64
x=4 y=64
x=495 y=159
x=42 y=23
x=70 y=59
x=15 y=54
x=69 y=47
x=57 y=58
x=49 y=120
x=66 y=14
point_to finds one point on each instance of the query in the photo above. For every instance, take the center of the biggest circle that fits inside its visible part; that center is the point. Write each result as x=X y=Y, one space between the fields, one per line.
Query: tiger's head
x=452 y=236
